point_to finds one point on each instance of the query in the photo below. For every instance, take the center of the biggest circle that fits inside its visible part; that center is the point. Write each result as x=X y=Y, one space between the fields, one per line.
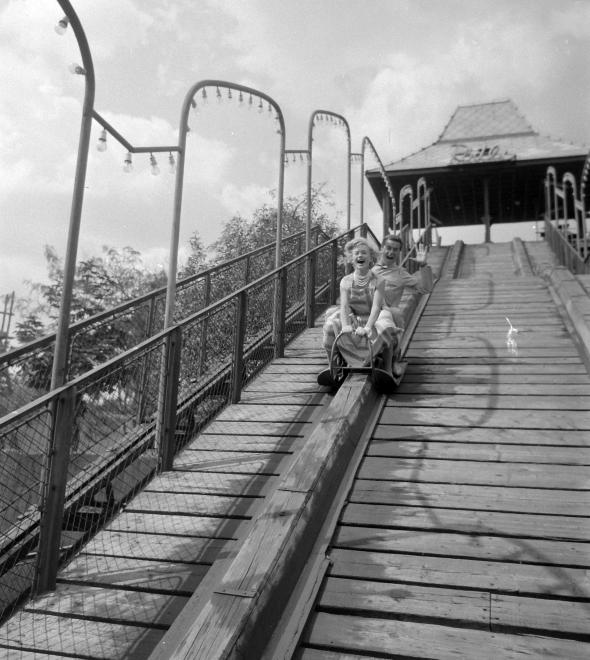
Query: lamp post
x=368 y=144
x=87 y=70
x=190 y=101
x=60 y=357
x=338 y=120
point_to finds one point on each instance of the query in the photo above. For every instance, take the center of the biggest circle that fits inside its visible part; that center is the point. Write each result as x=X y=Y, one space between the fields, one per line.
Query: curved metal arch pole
x=551 y=201
x=58 y=373
x=341 y=120
x=403 y=193
x=583 y=181
x=422 y=194
x=569 y=179
x=367 y=143
x=179 y=182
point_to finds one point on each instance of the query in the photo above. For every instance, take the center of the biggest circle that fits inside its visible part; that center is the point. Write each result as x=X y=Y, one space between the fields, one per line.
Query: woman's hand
x=346 y=328
x=364 y=332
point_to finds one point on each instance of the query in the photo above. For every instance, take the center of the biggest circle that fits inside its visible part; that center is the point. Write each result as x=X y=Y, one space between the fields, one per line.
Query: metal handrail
x=567 y=255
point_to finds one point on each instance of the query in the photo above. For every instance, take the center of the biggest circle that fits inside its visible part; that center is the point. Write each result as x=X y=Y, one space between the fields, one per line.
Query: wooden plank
x=553 y=322
x=490 y=331
x=314 y=397
x=39 y=633
x=481 y=452
x=565 y=389
x=231 y=461
x=277 y=375
x=193 y=503
x=323 y=654
x=261 y=413
x=418 y=433
x=158 y=547
x=405 y=601
x=210 y=483
x=539 y=615
x=478 y=498
x=169 y=523
x=499 y=369
x=492 y=400
x=228 y=461
x=496 y=340
x=299 y=371
x=446 y=544
x=460 y=572
x=414 y=640
x=486 y=362
x=476 y=473
x=162 y=576
x=514 y=309
x=244 y=443
x=121 y=606
x=246 y=427
x=488 y=351
x=492 y=523
x=489 y=418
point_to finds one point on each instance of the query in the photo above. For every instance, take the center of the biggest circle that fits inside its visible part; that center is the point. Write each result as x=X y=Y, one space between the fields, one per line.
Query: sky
x=395 y=69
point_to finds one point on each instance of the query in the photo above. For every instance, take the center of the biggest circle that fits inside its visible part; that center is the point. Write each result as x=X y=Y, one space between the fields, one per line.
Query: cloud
x=244 y=200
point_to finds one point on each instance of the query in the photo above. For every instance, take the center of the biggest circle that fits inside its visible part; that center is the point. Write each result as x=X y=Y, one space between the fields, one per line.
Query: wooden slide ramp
x=466 y=532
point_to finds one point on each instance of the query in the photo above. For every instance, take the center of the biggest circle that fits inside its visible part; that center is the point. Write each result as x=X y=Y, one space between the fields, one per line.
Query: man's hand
x=346 y=328
x=421 y=253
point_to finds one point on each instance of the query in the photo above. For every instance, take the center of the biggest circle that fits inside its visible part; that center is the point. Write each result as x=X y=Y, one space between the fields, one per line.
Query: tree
x=197 y=259
x=240 y=235
x=101 y=283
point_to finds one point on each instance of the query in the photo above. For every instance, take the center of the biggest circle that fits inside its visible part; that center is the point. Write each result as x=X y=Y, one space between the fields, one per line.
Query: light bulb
x=102 y=141
x=154 y=165
x=62 y=25
x=260 y=106
x=204 y=95
x=171 y=163
x=128 y=166
x=77 y=69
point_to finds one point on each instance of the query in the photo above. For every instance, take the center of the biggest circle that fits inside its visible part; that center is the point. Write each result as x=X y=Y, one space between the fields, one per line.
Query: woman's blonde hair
x=349 y=247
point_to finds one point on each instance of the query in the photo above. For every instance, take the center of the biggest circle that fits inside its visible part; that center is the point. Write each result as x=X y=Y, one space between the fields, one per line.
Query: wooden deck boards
x=118 y=597
x=466 y=533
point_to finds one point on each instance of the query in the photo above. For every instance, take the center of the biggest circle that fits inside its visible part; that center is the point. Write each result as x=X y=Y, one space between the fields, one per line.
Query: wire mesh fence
x=25 y=442
x=101 y=438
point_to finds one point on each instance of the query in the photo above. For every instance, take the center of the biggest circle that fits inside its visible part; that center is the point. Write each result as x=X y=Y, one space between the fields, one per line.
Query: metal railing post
x=334 y=273
x=167 y=421
x=53 y=497
x=280 y=309
x=238 y=356
x=205 y=324
x=310 y=290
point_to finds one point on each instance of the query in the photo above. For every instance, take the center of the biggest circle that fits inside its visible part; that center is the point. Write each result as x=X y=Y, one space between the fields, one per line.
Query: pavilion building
x=487 y=166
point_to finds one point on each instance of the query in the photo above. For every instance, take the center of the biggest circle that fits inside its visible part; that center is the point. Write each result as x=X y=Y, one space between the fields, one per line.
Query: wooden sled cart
x=354 y=354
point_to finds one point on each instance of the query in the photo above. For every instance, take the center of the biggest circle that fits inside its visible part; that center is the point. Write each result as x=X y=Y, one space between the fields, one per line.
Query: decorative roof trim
x=479 y=138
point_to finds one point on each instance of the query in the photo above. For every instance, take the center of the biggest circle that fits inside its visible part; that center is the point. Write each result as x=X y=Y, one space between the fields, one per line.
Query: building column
x=486 y=208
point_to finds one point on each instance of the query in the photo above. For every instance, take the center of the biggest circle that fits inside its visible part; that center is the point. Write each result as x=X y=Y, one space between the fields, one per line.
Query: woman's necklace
x=362 y=280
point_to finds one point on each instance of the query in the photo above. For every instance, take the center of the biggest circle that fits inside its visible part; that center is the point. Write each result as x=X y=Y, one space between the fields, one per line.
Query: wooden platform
x=466 y=533
x=118 y=597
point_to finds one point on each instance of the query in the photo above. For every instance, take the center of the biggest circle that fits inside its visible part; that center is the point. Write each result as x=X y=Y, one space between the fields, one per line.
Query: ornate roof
x=486 y=133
